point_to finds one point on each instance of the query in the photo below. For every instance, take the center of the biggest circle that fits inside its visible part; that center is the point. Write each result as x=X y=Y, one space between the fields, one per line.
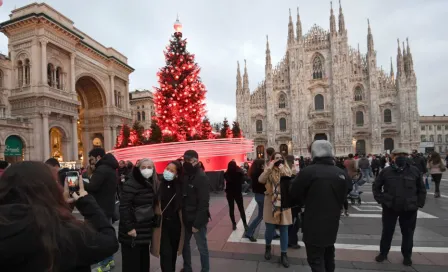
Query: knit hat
x=321 y=149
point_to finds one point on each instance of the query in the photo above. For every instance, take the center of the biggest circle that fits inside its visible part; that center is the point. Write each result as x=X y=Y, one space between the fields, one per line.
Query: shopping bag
x=427 y=183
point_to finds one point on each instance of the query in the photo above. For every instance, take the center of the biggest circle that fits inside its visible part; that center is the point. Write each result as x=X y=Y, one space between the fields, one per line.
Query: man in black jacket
x=103 y=187
x=419 y=162
x=322 y=187
x=195 y=210
x=401 y=191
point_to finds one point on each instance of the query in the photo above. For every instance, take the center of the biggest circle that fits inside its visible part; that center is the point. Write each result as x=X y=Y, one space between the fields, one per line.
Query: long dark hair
x=256 y=169
x=32 y=184
x=435 y=158
x=232 y=167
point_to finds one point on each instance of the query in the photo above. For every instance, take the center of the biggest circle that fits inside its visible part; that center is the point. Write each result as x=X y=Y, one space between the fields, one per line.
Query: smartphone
x=73 y=181
x=278 y=163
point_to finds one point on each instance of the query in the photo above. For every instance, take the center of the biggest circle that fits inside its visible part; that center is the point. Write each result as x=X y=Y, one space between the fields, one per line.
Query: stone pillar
x=114 y=135
x=107 y=138
x=126 y=97
x=87 y=146
x=46 y=135
x=75 y=138
x=72 y=72
x=112 y=89
x=43 y=44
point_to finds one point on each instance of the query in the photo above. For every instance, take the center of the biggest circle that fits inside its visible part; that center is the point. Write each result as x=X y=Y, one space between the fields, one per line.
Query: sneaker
x=111 y=264
x=102 y=268
x=346 y=213
x=380 y=258
x=407 y=261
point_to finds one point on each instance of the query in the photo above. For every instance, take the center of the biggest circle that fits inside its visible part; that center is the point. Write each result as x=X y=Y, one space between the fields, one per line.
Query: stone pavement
x=356 y=246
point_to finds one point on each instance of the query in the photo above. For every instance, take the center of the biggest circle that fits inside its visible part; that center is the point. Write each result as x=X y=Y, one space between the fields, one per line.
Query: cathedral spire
x=370 y=45
x=268 y=55
x=392 y=74
x=298 y=26
x=291 y=37
x=238 y=79
x=400 y=67
x=359 y=56
x=332 y=20
x=245 y=78
x=409 y=57
x=341 y=20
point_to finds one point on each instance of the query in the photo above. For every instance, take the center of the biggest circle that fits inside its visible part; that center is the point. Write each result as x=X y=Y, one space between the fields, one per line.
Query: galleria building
x=61 y=92
x=325 y=89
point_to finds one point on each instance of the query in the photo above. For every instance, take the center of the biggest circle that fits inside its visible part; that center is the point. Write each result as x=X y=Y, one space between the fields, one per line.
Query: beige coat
x=157 y=235
x=286 y=216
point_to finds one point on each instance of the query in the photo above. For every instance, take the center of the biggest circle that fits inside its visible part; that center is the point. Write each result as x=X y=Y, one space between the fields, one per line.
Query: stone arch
x=318 y=65
x=22 y=55
x=358 y=93
x=61 y=127
x=89 y=97
x=18 y=134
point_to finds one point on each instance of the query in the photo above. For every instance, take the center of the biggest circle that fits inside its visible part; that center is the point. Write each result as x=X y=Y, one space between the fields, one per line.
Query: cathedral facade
x=325 y=89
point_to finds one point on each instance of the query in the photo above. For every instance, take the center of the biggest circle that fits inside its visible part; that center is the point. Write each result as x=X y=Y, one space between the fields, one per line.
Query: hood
x=18 y=234
x=108 y=160
x=321 y=149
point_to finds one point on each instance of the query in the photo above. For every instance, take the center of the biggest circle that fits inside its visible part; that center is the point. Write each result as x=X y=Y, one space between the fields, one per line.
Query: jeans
x=201 y=242
x=108 y=259
x=365 y=174
x=259 y=198
x=270 y=232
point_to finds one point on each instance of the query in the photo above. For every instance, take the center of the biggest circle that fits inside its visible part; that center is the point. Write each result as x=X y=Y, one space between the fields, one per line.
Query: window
x=446 y=127
x=143 y=106
x=446 y=138
x=259 y=126
x=260 y=152
x=59 y=78
x=423 y=138
x=358 y=94
x=431 y=138
x=20 y=73
x=282 y=101
x=119 y=100
x=318 y=67
x=143 y=116
x=27 y=72
x=359 y=118
x=387 y=116
x=430 y=127
x=423 y=128
x=282 y=122
x=319 y=102
x=439 y=127
x=440 y=148
x=138 y=116
x=50 y=71
x=138 y=107
x=1 y=79
x=439 y=138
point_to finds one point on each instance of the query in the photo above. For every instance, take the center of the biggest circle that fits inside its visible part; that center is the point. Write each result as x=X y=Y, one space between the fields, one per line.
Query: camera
x=279 y=162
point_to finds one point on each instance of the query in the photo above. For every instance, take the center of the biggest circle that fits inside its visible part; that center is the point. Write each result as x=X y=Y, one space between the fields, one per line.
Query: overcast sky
x=220 y=32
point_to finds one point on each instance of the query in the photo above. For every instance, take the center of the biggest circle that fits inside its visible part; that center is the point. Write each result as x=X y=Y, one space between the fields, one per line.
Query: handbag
x=144 y=213
x=442 y=167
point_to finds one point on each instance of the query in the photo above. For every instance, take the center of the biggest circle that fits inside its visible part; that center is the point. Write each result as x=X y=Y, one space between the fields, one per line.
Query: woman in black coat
x=38 y=231
x=234 y=177
x=137 y=216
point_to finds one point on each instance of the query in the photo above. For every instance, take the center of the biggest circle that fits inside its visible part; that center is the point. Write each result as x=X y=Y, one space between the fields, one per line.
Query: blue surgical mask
x=168 y=176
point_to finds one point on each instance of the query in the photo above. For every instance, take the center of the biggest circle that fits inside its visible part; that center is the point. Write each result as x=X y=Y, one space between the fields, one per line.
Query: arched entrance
x=361 y=147
x=260 y=152
x=284 y=149
x=320 y=136
x=58 y=144
x=389 y=144
x=90 y=124
x=14 y=149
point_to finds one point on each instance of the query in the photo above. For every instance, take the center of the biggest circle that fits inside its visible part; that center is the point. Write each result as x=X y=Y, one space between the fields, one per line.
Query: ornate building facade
x=142 y=107
x=325 y=89
x=61 y=92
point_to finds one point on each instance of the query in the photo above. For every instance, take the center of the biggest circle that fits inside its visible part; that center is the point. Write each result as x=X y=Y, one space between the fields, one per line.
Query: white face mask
x=146 y=173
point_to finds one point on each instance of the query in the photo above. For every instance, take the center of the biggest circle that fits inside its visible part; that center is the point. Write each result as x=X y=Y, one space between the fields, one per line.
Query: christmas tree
x=225 y=130
x=123 y=139
x=206 y=129
x=179 y=101
x=156 y=133
x=236 y=131
x=138 y=130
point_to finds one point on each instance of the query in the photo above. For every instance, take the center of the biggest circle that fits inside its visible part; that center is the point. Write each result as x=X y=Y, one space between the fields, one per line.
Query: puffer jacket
x=437 y=168
x=138 y=192
x=400 y=189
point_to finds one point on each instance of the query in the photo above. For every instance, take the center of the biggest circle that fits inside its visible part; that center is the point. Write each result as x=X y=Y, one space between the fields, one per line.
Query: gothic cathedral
x=325 y=89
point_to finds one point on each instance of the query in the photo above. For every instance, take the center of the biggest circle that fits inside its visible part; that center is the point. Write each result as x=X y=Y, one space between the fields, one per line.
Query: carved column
x=43 y=44
x=46 y=135
x=126 y=96
x=114 y=135
x=107 y=138
x=72 y=72
x=112 y=89
x=75 y=138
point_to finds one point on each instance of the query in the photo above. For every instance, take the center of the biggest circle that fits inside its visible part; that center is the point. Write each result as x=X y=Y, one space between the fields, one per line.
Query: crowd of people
x=159 y=214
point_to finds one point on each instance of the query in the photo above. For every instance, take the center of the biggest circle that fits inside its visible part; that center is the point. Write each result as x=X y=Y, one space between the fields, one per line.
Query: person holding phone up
x=137 y=217
x=273 y=214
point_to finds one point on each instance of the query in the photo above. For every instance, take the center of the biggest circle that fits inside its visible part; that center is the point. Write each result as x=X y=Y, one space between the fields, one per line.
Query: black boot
x=234 y=226
x=246 y=227
x=284 y=260
x=267 y=253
